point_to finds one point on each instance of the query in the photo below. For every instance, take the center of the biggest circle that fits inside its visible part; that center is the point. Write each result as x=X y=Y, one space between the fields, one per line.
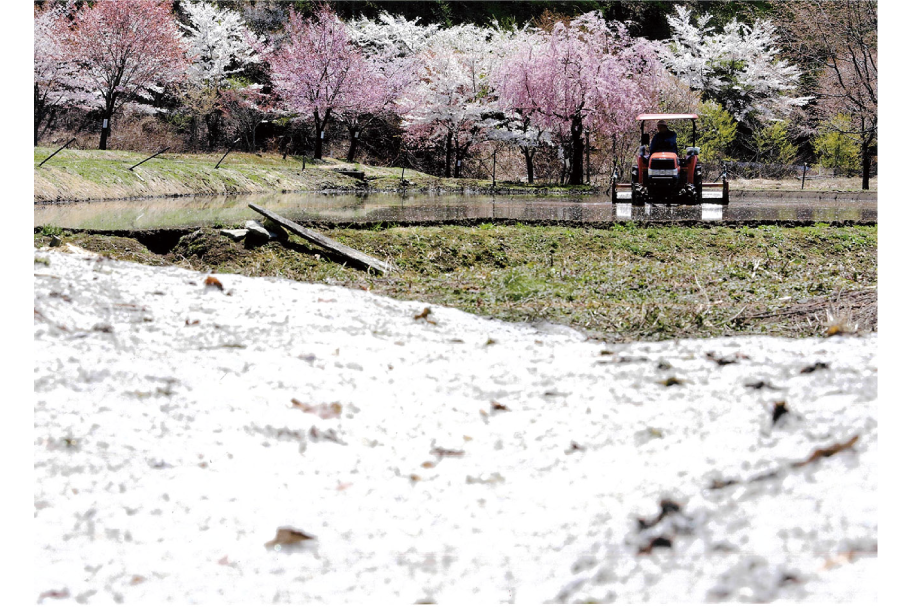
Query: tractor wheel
x=698 y=189
x=637 y=197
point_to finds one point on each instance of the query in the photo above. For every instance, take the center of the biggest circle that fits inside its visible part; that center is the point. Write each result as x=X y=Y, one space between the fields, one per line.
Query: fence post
x=58 y=149
x=805 y=168
x=494 y=169
x=149 y=158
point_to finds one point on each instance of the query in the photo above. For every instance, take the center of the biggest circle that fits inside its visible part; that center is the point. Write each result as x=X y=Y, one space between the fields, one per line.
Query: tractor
x=662 y=175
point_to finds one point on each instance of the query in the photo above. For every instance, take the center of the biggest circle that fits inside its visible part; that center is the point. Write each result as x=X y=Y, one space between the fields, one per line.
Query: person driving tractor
x=664 y=139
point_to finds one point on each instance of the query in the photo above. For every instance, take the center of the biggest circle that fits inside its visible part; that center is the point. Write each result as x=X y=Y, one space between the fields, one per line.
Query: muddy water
x=232 y=210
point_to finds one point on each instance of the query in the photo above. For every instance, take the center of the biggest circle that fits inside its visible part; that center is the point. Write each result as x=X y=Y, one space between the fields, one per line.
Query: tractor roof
x=667 y=117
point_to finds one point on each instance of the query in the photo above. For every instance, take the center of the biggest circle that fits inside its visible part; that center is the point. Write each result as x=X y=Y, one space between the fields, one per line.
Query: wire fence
x=760 y=170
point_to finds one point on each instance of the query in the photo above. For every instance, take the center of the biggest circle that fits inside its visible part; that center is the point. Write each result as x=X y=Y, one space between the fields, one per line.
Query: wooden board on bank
x=361 y=259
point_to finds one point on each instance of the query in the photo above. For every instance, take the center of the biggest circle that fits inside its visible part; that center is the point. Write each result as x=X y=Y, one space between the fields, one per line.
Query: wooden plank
x=361 y=259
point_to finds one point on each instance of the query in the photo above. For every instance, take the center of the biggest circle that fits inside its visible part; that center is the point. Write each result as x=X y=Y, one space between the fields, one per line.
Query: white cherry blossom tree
x=218 y=42
x=738 y=66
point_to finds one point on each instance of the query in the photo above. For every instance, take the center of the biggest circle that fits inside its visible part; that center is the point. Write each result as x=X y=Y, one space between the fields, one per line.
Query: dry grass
x=826 y=184
x=622 y=283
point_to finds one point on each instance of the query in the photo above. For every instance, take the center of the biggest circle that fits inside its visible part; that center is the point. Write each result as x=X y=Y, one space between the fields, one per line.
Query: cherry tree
x=391 y=35
x=388 y=48
x=517 y=128
x=585 y=75
x=125 y=51
x=318 y=71
x=244 y=109
x=378 y=87
x=53 y=69
x=839 y=42
x=221 y=45
x=453 y=98
x=218 y=41
x=739 y=66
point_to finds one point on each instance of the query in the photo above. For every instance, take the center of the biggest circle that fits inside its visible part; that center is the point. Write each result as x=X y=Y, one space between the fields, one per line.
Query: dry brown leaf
x=211 y=281
x=827 y=451
x=287 y=536
x=324 y=411
x=780 y=409
x=425 y=316
x=441 y=453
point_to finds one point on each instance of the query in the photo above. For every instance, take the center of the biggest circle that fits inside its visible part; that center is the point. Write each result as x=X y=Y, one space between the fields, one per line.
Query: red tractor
x=661 y=175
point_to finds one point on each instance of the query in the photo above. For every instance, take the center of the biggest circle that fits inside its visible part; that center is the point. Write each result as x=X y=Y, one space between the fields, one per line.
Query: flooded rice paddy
x=200 y=211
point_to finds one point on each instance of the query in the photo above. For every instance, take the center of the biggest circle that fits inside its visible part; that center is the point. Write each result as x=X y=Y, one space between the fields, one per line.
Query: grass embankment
x=104 y=175
x=101 y=175
x=622 y=283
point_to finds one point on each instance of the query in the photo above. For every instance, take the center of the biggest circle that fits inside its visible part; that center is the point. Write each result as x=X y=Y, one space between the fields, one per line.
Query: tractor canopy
x=642 y=118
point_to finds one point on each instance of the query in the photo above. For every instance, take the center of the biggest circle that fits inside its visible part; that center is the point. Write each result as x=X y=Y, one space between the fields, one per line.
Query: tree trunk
x=39 y=112
x=317 y=147
x=576 y=175
x=106 y=122
x=865 y=152
x=529 y=163
x=448 y=171
x=353 y=147
x=458 y=155
x=320 y=129
x=212 y=127
x=105 y=129
x=867 y=161
x=588 y=158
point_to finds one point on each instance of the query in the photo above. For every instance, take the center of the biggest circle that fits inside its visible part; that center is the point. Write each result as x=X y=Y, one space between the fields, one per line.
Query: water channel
x=197 y=211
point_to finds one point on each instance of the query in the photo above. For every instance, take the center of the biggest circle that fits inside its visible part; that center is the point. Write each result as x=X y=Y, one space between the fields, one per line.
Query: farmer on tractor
x=660 y=174
x=664 y=140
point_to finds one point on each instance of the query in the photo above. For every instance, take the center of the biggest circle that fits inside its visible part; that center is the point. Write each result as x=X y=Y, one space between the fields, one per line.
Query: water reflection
x=231 y=210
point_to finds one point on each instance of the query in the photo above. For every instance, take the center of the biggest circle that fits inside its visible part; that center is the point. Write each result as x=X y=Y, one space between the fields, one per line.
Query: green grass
x=621 y=283
x=98 y=175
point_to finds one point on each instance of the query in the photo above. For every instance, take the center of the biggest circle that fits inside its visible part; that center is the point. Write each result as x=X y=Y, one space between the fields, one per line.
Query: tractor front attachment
x=718 y=192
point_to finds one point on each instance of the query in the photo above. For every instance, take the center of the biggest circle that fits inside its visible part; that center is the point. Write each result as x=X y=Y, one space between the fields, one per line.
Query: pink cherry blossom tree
x=53 y=69
x=585 y=76
x=317 y=71
x=388 y=72
x=125 y=51
x=373 y=97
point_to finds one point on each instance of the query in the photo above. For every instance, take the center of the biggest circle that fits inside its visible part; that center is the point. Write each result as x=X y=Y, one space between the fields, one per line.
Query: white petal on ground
x=169 y=450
